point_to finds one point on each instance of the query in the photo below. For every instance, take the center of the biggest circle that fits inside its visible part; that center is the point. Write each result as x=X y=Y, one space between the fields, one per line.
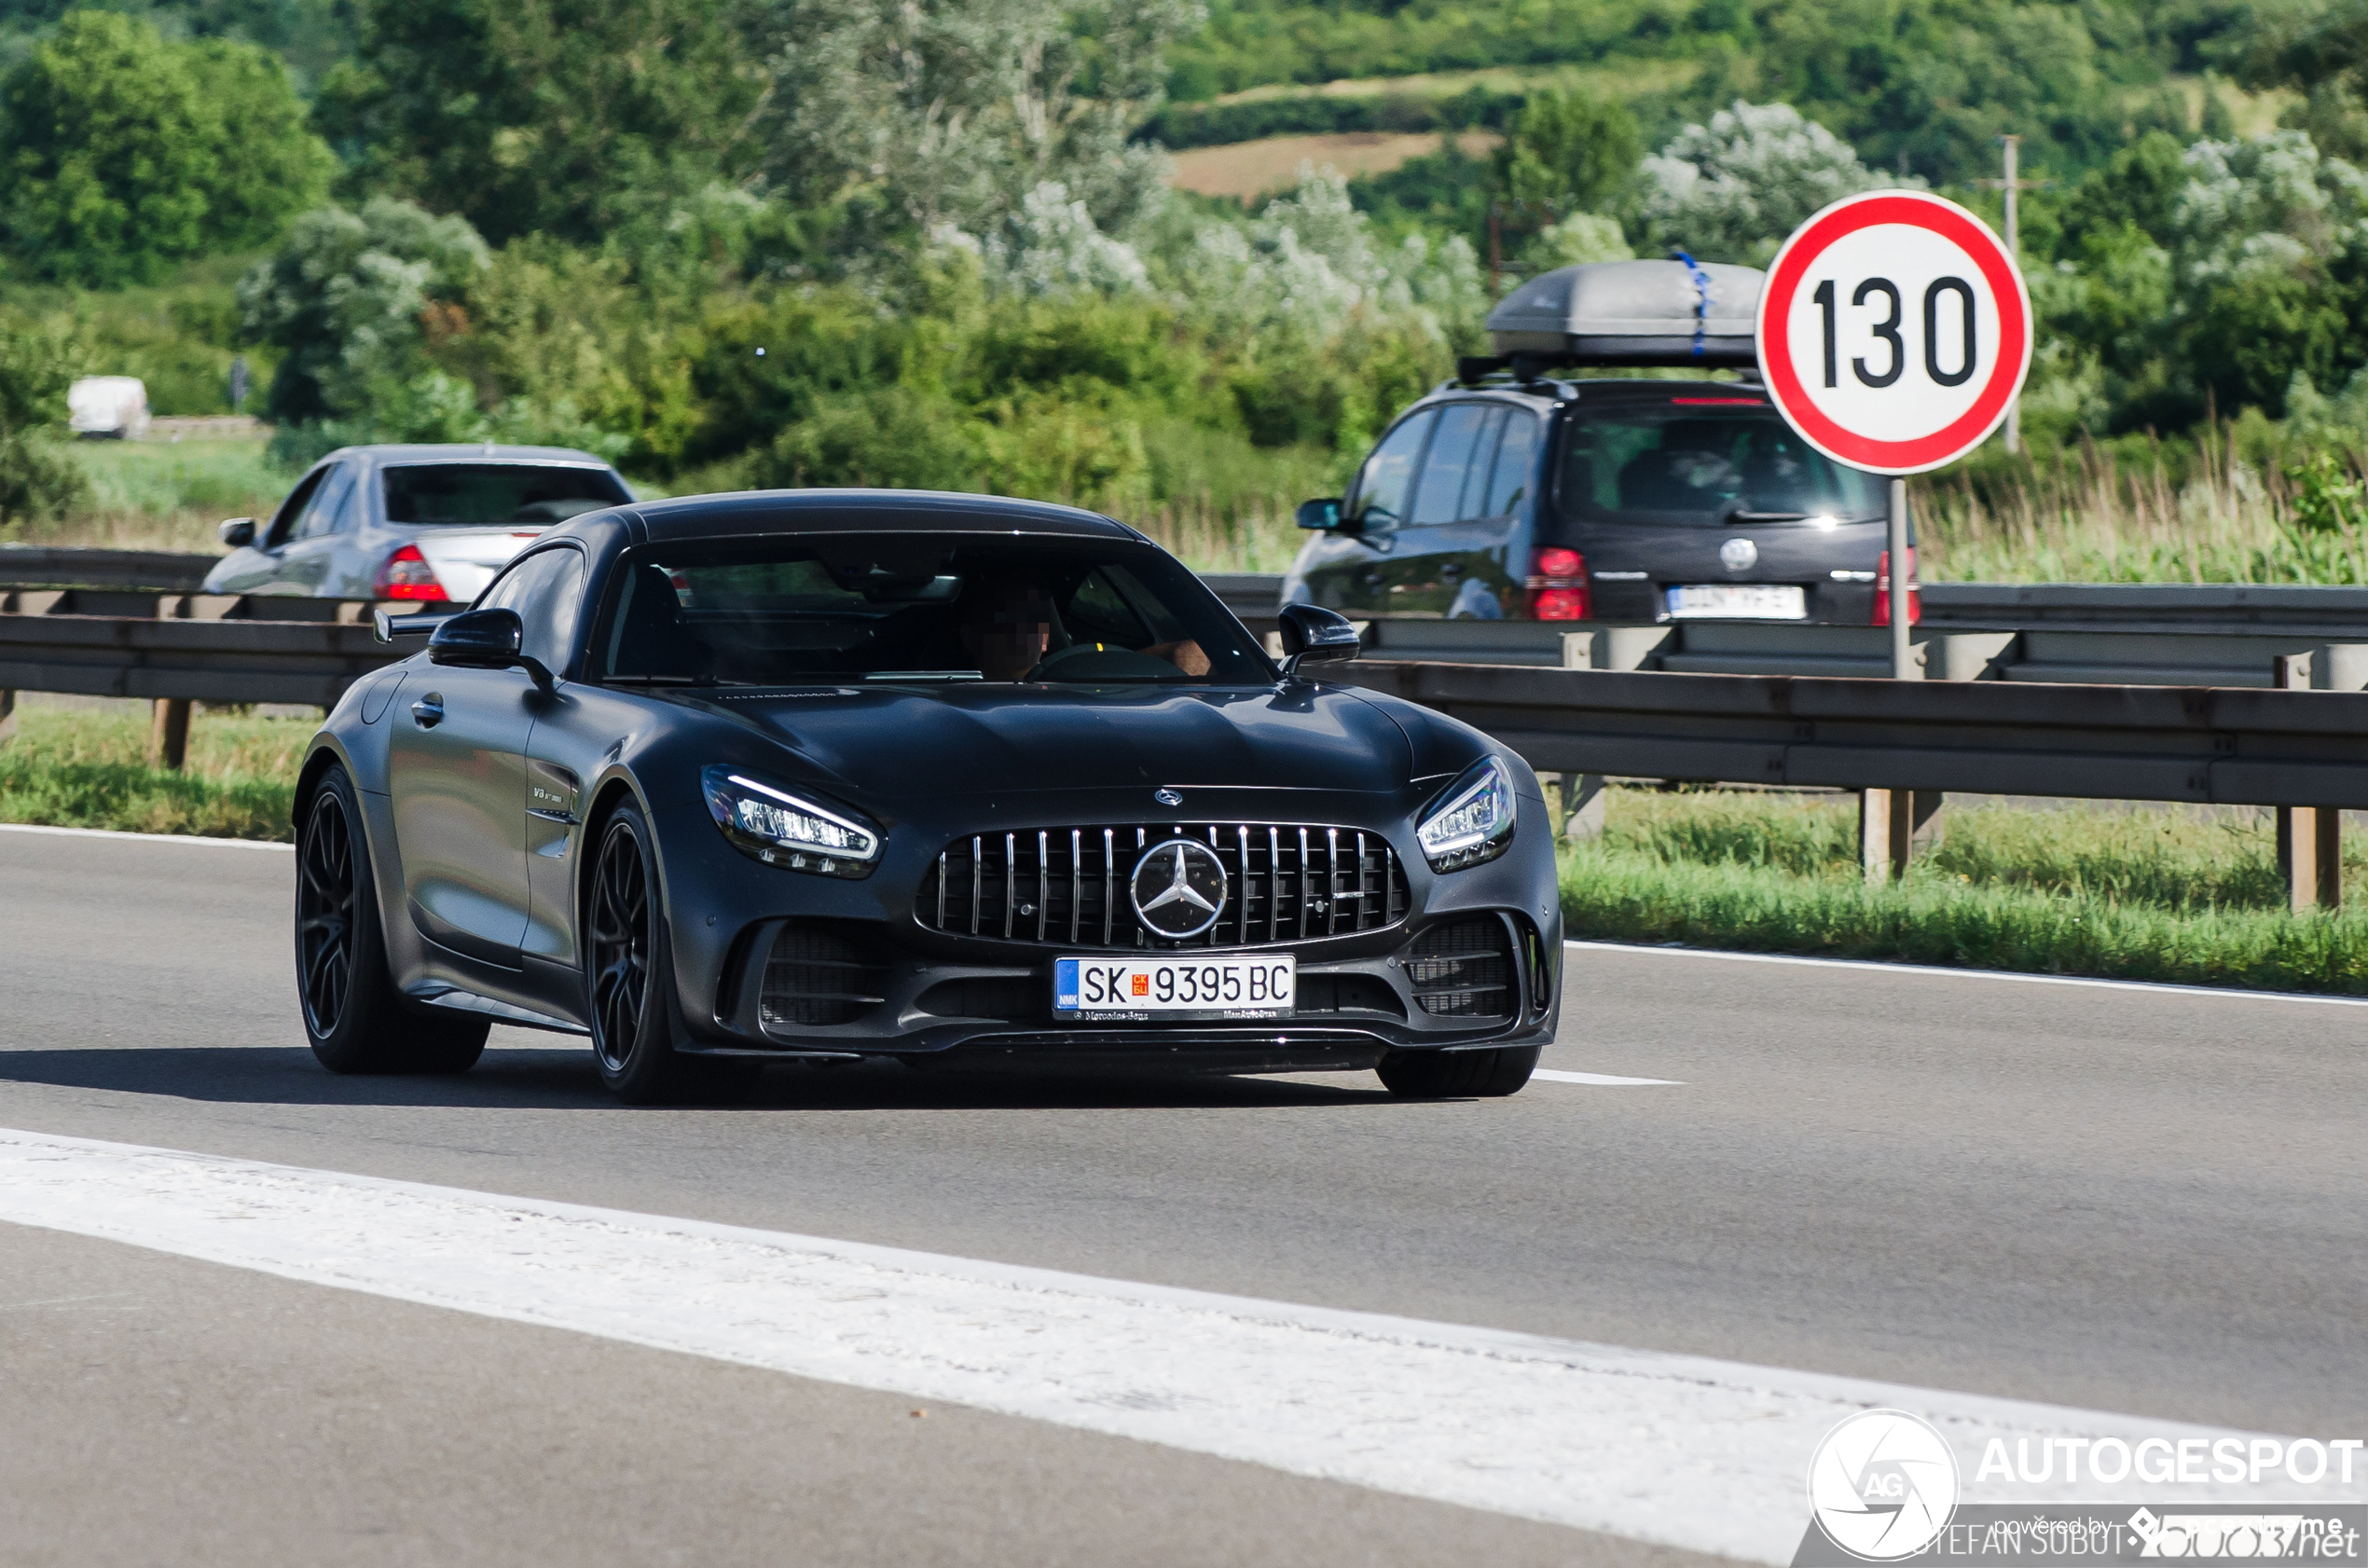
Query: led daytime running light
x=781 y=828
x=1475 y=823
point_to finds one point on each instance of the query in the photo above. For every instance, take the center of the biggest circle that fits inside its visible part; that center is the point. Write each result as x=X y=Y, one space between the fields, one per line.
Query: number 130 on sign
x=1894 y=331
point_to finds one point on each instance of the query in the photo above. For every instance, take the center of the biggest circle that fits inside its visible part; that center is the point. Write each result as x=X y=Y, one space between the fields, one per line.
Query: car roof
x=746 y=513
x=471 y=452
x=1548 y=393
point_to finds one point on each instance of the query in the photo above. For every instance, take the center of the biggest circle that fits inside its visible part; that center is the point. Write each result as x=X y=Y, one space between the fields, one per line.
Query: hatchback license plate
x=1739 y=601
x=1174 y=987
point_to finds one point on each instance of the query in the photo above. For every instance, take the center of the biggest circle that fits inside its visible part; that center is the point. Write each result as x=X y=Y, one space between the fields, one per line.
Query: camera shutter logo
x=1178 y=889
x=1883 y=1485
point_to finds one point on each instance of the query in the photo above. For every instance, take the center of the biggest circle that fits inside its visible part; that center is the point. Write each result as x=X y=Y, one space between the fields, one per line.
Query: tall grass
x=2144 y=894
x=2144 y=511
x=88 y=768
x=163 y=495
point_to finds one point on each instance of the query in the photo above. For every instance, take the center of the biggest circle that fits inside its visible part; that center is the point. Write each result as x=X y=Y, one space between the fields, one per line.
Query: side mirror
x=486 y=640
x=238 y=533
x=1320 y=514
x=1309 y=632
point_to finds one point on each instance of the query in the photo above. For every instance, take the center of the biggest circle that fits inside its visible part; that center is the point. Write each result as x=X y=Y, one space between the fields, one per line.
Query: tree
x=127 y=153
x=1733 y=189
x=953 y=112
x=559 y=116
x=1569 y=152
x=36 y=480
x=347 y=298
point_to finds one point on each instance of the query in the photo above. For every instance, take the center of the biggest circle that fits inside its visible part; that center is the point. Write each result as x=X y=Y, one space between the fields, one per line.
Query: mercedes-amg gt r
x=834 y=774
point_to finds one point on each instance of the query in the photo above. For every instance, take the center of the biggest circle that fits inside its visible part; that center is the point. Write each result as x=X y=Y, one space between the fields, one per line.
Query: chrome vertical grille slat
x=1360 y=887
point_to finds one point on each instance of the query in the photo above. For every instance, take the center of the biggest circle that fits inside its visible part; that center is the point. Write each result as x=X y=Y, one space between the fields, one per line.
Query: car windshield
x=456 y=494
x=918 y=608
x=1709 y=461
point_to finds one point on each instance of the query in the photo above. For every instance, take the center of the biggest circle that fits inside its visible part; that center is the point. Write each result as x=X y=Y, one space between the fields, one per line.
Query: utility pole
x=2010 y=147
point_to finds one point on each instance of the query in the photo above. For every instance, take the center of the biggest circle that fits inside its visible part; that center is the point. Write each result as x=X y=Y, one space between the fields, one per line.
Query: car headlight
x=1471 y=822
x=768 y=823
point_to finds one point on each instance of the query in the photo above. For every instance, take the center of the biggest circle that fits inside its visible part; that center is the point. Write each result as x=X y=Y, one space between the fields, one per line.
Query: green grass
x=87 y=768
x=2138 y=895
x=162 y=495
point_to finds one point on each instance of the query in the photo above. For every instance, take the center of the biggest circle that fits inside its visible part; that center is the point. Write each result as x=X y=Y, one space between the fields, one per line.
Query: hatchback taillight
x=406 y=574
x=1882 y=591
x=1557 y=584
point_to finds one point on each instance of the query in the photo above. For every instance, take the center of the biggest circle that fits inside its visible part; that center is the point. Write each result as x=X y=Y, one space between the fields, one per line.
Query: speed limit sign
x=1894 y=331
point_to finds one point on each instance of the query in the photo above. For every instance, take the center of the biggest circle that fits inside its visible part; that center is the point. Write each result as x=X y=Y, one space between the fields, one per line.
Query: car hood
x=973 y=739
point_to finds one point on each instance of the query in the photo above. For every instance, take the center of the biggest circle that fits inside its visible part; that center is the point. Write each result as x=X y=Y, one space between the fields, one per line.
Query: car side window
x=283 y=521
x=546 y=589
x=326 y=514
x=1438 y=495
x=1516 y=464
x=1382 y=489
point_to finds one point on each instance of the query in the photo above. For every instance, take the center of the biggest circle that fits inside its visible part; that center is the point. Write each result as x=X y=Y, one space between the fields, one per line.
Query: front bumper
x=1467 y=979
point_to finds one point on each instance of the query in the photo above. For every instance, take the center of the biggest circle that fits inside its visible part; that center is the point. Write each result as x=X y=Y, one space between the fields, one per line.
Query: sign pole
x=1902 y=655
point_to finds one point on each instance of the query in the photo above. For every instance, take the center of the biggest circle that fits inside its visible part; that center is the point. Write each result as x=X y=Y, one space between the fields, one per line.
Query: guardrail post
x=1886 y=833
x=169 y=734
x=2310 y=838
x=1583 y=802
x=7 y=716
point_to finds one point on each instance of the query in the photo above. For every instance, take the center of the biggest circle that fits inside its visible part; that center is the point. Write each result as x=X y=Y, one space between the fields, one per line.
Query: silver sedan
x=420 y=523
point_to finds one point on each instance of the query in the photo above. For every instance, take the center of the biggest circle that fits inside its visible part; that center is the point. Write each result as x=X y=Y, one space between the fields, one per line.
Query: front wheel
x=1430 y=1075
x=356 y=1019
x=629 y=969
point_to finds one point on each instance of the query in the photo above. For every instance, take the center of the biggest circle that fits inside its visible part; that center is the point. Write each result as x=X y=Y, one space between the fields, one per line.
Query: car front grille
x=1068 y=886
x=1464 y=969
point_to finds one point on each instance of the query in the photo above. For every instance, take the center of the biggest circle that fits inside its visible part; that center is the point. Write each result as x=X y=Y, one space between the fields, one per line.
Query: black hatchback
x=1508 y=495
x=1632 y=501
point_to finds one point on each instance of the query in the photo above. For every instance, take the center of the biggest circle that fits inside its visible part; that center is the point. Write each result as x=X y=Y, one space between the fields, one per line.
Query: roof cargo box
x=1631 y=313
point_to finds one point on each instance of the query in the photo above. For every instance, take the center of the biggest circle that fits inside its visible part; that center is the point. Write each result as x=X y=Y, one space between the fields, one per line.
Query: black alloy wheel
x=624 y=934
x=629 y=978
x=324 y=914
x=356 y=1019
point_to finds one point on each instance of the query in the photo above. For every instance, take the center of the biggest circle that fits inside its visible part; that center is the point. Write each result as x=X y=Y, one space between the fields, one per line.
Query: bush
x=36 y=479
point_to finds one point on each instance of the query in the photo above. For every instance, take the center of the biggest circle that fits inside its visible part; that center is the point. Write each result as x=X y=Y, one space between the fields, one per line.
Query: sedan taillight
x=1882 y=590
x=406 y=574
x=1557 y=584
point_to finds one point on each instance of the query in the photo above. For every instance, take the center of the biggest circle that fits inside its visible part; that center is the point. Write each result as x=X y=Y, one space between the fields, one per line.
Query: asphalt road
x=2133 y=1199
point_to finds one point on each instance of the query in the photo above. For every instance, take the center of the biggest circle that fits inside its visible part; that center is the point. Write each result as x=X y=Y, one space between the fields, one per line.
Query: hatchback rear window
x=1706 y=461
x=457 y=494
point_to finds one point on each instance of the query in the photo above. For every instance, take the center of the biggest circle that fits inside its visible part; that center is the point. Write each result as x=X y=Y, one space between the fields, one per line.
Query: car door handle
x=428 y=713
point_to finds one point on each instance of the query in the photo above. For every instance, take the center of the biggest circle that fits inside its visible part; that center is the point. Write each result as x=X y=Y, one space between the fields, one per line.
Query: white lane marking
x=145 y=838
x=2221 y=992
x=1603 y=1080
x=1689 y=1451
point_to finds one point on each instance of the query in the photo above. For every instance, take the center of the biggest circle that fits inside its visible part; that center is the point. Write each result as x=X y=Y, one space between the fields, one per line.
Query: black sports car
x=849 y=774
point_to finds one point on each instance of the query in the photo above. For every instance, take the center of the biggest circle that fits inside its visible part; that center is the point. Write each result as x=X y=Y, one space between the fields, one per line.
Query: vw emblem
x=1168 y=797
x=1178 y=889
x=1738 y=555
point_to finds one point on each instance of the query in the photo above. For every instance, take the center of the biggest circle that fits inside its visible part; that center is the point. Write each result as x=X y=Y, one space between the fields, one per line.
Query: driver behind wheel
x=1008 y=626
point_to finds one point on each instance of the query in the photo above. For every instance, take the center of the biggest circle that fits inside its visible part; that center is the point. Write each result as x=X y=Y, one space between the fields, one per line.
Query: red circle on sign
x=1960 y=228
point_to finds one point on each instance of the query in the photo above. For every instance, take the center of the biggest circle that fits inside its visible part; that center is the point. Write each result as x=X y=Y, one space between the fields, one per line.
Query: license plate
x=1739 y=601
x=1174 y=987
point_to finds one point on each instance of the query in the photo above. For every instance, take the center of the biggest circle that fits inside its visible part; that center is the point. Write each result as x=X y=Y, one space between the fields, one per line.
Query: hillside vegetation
x=735 y=243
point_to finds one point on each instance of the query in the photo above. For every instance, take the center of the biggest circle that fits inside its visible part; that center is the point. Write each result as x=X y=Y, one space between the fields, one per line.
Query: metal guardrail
x=2089 y=634
x=41 y=566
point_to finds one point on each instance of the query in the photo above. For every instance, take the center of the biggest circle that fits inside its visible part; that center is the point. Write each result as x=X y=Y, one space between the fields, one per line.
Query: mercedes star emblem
x=1178 y=889
x=1738 y=555
x=1168 y=797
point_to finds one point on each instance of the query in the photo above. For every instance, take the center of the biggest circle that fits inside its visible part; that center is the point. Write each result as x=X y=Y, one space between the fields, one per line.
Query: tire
x=628 y=968
x=356 y=1019
x=1430 y=1075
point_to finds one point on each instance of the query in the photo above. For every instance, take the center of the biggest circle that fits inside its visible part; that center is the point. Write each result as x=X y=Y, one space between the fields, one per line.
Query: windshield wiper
x=659 y=680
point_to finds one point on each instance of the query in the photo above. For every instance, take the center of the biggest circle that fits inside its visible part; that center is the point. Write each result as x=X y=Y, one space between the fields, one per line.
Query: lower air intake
x=815 y=977
x=1464 y=969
